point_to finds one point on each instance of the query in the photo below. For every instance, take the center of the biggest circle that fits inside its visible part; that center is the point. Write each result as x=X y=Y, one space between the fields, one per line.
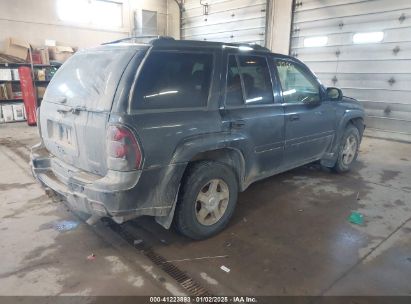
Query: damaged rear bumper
x=119 y=195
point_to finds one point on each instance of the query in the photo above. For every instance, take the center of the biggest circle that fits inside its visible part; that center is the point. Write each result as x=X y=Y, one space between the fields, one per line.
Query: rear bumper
x=120 y=195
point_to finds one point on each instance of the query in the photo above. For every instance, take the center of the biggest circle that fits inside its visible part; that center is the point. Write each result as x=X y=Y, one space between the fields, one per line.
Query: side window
x=248 y=75
x=256 y=79
x=173 y=80
x=234 y=91
x=297 y=84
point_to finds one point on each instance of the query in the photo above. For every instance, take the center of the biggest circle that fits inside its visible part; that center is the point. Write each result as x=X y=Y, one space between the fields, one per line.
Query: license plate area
x=61 y=133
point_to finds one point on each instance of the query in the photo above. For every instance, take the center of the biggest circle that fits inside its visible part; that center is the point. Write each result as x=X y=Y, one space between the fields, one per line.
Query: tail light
x=123 y=150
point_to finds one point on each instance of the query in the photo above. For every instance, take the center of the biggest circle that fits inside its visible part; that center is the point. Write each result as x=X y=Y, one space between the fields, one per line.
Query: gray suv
x=175 y=129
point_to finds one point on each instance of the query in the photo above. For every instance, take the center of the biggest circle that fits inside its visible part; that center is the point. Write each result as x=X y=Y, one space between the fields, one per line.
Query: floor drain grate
x=193 y=287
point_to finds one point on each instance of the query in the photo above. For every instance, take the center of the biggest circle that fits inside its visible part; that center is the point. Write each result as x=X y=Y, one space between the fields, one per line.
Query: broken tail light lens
x=123 y=149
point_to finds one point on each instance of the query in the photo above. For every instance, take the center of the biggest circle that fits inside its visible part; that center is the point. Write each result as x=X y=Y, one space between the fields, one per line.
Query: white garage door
x=363 y=47
x=225 y=20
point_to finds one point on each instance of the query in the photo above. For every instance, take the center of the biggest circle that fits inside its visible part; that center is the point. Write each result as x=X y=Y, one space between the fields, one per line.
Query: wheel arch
x=212 y=147
x=231 y=157
x=353 y=117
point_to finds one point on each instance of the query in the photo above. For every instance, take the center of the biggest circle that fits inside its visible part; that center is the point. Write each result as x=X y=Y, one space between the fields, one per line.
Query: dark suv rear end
x=167 y=130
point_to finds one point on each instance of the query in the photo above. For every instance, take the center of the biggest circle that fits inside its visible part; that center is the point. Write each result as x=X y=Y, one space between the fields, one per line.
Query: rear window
x=89 y=78
x=173 y=80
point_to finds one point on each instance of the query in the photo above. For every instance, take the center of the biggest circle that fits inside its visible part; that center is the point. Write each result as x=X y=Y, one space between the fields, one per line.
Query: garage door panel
x=330 y=27
x=390 y=125
x=386 y=66
x=247 y=36
x=377 y=74
x=241 y=21
x=357 y=52
x=315 y=4
x=218 y=5
x=315 y=27
x=242 y=25
x=397 y=35
x=222 y=6
x=388 y=110
x=400 y=96
x=254 y=12
x=371 y=81
x=359 y=8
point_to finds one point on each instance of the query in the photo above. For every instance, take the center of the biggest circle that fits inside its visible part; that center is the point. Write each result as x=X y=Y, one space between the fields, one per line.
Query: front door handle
x=237 y=124
x=294 y=117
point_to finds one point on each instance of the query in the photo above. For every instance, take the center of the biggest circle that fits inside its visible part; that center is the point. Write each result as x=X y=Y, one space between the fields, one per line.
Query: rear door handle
x=237 y=124
x=294 y=117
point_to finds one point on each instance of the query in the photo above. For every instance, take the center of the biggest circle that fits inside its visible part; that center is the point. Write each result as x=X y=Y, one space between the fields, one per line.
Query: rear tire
x=348 y=149
x=207 y=200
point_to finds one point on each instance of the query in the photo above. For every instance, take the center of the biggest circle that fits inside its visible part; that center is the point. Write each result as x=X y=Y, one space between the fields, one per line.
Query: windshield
x=90 y=77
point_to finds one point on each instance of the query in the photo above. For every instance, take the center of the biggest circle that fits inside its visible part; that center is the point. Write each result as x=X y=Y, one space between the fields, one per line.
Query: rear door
x=309 y=121
x=77 y=104
x=255 y=121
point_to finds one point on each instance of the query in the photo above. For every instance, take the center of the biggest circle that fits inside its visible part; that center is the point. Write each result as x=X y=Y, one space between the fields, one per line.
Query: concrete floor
x=289 y=235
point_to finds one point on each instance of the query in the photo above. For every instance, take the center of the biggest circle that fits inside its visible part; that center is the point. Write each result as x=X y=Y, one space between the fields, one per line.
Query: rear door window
x=174 y=80
x=248 y=81
x=90 y=77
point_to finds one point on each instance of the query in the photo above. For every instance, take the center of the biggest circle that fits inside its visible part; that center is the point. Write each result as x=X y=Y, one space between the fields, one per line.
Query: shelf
x=17 y=81
x=16 y=65
x=13 y=99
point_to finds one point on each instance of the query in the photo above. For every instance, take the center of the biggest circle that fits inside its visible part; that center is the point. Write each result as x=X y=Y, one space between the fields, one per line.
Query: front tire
x=207 y=200
x=348 y=149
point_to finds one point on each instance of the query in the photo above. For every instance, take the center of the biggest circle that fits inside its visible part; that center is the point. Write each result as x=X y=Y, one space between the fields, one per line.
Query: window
x=316 y=41
x=298 y=85
x=374 y=37
x=102 y=13
x=249 y=76
x=174 y=80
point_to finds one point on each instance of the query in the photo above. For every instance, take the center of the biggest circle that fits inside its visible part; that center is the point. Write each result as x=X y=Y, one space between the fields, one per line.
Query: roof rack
x=139 y=37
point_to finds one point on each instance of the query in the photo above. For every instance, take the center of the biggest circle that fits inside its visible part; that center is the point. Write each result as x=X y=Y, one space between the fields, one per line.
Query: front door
x=309 y=121
x=254 y=121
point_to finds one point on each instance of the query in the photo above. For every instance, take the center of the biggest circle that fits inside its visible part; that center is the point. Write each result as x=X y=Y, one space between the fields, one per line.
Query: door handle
x=237 y=124
x=294 y=117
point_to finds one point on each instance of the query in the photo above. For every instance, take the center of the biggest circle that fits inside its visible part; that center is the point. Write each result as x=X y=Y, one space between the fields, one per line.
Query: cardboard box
x=6 y=91
x=36 y=57
x=40 y=56
x=17 y=48
x=60 y=53
x=45 y=58
x=7 y=110
x=18 y=111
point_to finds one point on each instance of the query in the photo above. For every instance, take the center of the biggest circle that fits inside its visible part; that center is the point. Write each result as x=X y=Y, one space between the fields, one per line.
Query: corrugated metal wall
x=378 y=74
x=227 y=21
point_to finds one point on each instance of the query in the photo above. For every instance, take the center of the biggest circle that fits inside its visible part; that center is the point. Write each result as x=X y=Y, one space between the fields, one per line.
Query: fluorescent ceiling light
x=316 y=41
x=373 y=37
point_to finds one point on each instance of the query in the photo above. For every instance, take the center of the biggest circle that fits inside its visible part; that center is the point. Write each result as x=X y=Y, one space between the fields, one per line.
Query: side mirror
x=334 y=94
